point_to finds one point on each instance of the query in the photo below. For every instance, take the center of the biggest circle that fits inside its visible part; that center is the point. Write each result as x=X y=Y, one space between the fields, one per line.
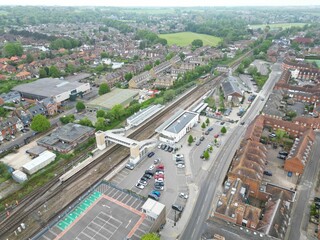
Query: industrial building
x=39 y=162
x=67 y=137
x=116 y=96
x=59 y=90
x=175 y=128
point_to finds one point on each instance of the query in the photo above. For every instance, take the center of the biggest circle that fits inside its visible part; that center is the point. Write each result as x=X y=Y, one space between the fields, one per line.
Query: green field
x=185 y=38
x=278 y=25
x=311 y=60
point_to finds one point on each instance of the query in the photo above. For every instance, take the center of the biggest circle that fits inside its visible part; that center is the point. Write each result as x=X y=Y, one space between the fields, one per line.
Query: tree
x=100 y=124
x=54 y=72
x=117 y=111
x=203 y=126
x=12 y=49
x=40 y=123
x=85 y=122
x=150 y=236
x=104 y=88
x=157 y=62
x=80 y=106
x=169 y=95
x=42 y=73
x=190 y=139
x=29 y=58
x=207 y=121
x=70 y=68
x=182 y=56
x=100 y=113
x=67 y=119
x=223 y=130
x=206 y=155
x=197 y=43
x=128 y=76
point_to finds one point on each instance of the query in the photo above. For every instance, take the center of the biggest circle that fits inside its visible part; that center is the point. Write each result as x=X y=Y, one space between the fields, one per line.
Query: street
x=213 y=179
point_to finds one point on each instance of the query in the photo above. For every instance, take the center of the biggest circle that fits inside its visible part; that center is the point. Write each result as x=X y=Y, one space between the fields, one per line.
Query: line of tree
x=148 y=38
x=121 y=26
x=34 y=35
x=53 y=71
x=67 y=43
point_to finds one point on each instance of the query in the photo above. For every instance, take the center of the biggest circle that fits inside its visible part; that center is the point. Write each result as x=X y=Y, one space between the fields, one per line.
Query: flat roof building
x=156 y=212
x=67 y=137
x=178 y=127
x=116 y=96
x=59 y=90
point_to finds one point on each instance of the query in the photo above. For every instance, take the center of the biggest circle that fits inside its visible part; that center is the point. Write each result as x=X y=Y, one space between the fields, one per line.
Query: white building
x=178 y=127
x=156 y=212
x=39 y=162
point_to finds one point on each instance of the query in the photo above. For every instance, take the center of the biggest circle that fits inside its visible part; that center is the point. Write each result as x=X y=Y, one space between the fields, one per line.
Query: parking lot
x=174 y=179
x=108 y=213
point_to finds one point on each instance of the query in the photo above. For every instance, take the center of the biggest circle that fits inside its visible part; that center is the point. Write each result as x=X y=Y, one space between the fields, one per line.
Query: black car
x=170 y=149
x=283 y=153
x=206 y=132
x=143 y=178
x=201 y=138
x=268 y=173
x=149 y=172
x=163 y=146
x=283 y=157
x=150 y=154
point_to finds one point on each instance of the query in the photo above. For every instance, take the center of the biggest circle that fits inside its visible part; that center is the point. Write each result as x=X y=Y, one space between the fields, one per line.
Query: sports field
x=278 y=25
x=311 y=60
x=185 y=38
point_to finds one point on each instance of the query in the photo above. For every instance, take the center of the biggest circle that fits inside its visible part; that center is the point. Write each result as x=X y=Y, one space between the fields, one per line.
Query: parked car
x=130 y=166
x=159 y=188
x=180 y=165
x=163 y=146
x=167 y=148
x=210 y=129
x=183 y=195
x=143 y=178
x=156 y=161
x=151 y=167
x=159 y=180
x=216 y=136
x=198 y=143
x=150 y=172
x=157 y=193
x=206 y=132
x=140 y=186
x=272 y=135
x=159 y=176
x=282 y=157
x=160 y=166
x=160 y=145
x=180 y=162
x=144 y=183
x=242 y=123
x=150 y=154
x=289 y=174
x=284 y=153
x=159 y=171
x=222 y=123
x=159 y=184
x=179 y=156
x=268 y=173
x=148 y=176
x=154 y=197
x=201 y=138
x=202 y=156
x=170 y=149
x=177 y=207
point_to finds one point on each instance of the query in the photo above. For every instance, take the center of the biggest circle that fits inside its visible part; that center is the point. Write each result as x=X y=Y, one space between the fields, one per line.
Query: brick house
x=23 y=75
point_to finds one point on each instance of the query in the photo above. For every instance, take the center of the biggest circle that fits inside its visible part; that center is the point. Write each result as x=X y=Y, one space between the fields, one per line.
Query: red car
x=216 y=136
x=160 y=166
x=159 y=176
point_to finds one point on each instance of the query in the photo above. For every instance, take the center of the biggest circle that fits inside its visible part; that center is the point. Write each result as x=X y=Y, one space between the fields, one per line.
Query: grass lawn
x=311 y=60
x=185 y=38
x=278 y=25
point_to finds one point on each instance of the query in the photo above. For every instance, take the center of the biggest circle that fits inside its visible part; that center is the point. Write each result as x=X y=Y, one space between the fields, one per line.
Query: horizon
x=164 y=4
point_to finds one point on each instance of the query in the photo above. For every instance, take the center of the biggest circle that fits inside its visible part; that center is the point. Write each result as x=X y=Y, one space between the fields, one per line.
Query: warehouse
x=59 y=90
x=176 y=128
x=116 y=96
x=39 y=162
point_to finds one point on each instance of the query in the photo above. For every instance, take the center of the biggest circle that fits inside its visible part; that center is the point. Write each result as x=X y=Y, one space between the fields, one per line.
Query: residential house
x=10 y=126
x=23 y=75
x=10 y=97
x=231 y=90
x=50 y=105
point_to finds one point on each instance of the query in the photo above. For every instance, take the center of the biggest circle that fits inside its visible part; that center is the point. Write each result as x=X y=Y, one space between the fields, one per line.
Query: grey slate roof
x=180 y=122
x=230 y=86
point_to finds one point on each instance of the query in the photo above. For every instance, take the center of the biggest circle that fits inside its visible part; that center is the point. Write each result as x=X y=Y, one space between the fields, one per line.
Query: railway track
x=142 y=132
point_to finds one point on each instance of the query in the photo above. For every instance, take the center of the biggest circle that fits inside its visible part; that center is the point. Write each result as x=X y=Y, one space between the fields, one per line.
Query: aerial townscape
x=167 y=120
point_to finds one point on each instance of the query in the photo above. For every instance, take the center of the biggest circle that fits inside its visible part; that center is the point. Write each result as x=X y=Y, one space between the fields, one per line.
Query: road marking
x=105 y=206
x=128 y=223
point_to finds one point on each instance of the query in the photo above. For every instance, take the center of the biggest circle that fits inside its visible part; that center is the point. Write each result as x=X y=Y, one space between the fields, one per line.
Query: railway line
x=105 y=163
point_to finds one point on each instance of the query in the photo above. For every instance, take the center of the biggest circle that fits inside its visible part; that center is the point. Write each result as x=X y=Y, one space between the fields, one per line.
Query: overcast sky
x=153 y=3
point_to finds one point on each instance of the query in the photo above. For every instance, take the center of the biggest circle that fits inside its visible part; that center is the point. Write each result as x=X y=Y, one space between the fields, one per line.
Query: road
x=299 y=224
x=212 y=180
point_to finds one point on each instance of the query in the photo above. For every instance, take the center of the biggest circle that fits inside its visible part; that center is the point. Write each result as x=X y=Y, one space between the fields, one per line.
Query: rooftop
x=179 y=123
x=230 y=87
x=48 y=87
x=116 y=96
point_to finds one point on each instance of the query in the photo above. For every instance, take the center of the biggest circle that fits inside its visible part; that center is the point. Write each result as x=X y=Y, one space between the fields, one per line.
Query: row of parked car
x=165 y=147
